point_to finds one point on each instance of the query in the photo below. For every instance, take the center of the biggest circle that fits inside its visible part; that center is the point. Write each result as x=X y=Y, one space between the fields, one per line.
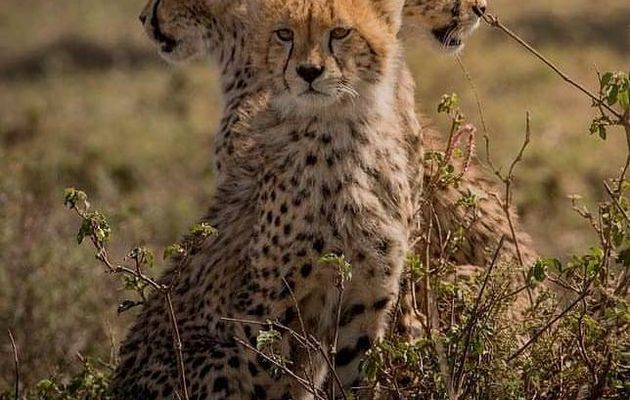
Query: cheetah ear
x=391 y=11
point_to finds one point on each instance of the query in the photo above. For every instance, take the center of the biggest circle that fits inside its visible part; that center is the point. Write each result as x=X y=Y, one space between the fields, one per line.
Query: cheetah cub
x=321 y=167
x=332 y=176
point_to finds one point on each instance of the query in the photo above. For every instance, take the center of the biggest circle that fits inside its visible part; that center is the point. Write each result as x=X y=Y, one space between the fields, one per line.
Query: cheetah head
x=449 y=22
x=179 y=28
x=322 y=54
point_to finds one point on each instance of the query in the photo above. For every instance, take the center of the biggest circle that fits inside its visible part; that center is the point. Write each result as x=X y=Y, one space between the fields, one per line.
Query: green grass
x=136 y=134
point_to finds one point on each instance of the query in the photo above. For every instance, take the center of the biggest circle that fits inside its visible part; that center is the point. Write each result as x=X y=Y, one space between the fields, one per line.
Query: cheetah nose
x=310 y=72
x=142 y=18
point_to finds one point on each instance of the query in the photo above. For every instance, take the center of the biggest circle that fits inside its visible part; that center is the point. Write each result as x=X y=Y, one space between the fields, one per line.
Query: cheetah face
x=177 y=27
x=449 y=22
x=322 y=55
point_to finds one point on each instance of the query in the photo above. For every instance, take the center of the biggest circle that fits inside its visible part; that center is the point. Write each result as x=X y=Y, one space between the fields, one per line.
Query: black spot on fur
x=289 y=315
x=234 y=362
x=345 y=356
x=363 y=343
x=253 y=370
x=259 y=393
x=381 y=304
x=318 y=245
x=306 y=270
x=311 y=159
x=220 y=385
x=351 y=313
x=259 y=310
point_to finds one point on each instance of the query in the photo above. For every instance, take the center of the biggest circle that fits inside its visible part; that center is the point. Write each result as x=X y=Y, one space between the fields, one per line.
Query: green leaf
x=142 y=256
x=606 y=78
x=73 y=198
x=203 y=230
x=174 y=250
x=345 y=269
x=612 y=93
x=448 y=103
x=538 y=272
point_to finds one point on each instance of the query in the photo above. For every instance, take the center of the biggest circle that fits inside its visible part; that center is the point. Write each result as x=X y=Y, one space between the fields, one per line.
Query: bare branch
x=16 y=362
x=549 y=324
x=474 y=316
x=494 y=22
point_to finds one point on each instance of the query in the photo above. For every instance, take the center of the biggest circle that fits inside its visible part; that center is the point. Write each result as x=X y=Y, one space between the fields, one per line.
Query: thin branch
x=303 y=382
x=507 y=202
x=475 y=92
x=549 y=324
x=494 y=22
x=303 y=327
x=615 y=199
x=16 y=362
x=178 y=345
x=470 y=326
x=136 y=273
x=330 y=364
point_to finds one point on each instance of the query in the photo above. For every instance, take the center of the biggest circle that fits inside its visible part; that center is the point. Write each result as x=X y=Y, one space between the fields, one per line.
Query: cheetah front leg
x=364 y=319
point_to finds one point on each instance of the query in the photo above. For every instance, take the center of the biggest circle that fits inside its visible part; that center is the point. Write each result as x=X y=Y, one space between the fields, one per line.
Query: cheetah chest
x=330 y=189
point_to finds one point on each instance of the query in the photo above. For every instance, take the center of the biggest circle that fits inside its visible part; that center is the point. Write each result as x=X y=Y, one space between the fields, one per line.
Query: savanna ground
x=86 y=102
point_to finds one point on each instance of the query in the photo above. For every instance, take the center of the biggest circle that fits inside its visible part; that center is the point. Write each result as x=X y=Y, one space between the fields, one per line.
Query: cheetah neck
x=228 y=46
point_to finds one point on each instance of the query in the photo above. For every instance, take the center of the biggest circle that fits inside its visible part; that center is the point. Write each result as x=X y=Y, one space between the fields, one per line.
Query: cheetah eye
x=340 y=33
x=284 y=35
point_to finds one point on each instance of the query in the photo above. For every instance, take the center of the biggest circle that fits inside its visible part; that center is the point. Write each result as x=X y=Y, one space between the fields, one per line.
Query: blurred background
x=86 y=102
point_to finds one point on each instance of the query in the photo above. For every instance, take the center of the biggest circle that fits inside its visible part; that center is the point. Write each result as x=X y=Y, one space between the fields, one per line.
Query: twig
x=164 y=290
x=507 y=202
x=615 y=200
x=580 y=340
x=470 y=326
x=309 y=342
x=330 y=364
x=494 y=22
x=549 y=324
x=625 y=122
x=475 y=92
x=303 y=327
x=303 y=382
x=178 y=345
x=333 y=348
x=508 y=188
x=16 y=361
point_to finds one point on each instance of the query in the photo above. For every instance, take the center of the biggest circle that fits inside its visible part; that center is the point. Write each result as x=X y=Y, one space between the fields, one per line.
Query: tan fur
x=330 y=177
x=215 y=282
x=334 y=174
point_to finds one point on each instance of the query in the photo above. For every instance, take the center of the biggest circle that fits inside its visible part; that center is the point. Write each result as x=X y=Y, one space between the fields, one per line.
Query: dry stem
x=16 y=362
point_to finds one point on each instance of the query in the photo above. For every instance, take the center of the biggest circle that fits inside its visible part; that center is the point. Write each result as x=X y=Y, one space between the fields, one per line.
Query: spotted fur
x=216 y=366
x=328 y=178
